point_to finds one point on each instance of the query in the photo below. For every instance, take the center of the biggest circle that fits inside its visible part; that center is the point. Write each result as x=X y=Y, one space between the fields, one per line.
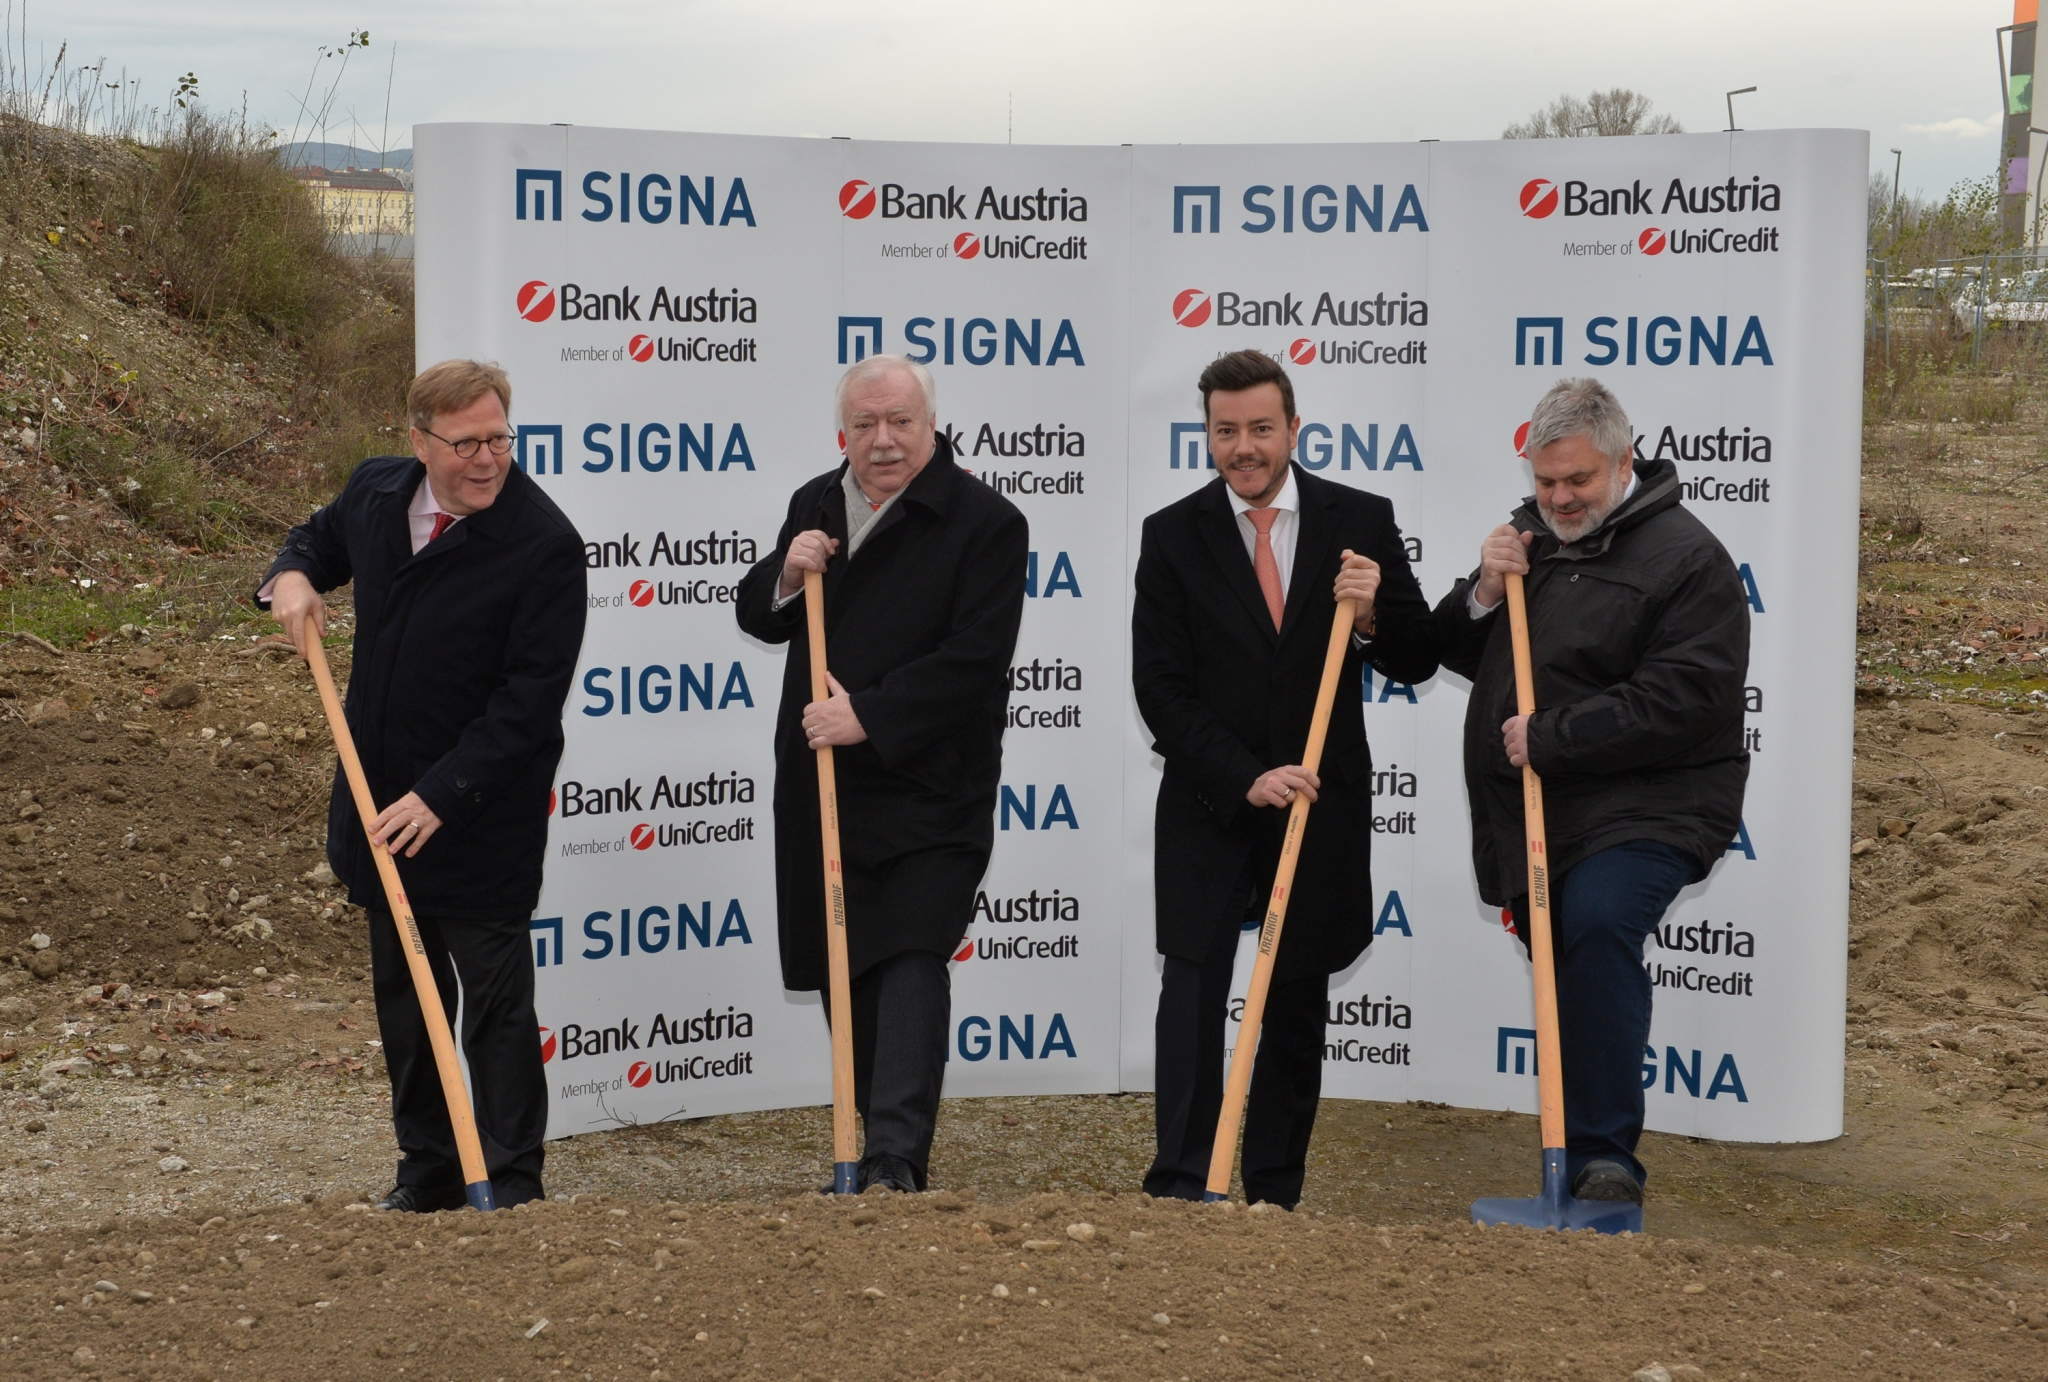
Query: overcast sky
x=1921 y=77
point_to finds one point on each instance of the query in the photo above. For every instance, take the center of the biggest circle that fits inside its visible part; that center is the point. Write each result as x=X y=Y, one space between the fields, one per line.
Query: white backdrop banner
x=674 y=310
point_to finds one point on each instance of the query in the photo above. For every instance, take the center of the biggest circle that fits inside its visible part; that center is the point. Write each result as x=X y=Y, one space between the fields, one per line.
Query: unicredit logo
x=639 y=1073
x=966 y=245
x=641 y=348
x=547 y=1045
x=643 y=836
x=1192 y=307
x=640 y=594
x=1539 y=198
x=1522 y=440
x=536 y=301
x=857 y=200
x=1302 y=352
x=1651 y=241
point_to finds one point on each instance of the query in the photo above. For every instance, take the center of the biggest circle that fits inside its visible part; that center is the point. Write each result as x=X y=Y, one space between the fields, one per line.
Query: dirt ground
x=190 y=1080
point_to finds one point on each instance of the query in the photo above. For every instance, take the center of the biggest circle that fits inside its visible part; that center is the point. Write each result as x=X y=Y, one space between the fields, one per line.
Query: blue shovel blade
x=479 y=1196
x=1555 y=1208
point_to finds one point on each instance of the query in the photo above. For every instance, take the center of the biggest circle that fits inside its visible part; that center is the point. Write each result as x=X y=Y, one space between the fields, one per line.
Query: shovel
x=1555 y=1207
x=845 y=1160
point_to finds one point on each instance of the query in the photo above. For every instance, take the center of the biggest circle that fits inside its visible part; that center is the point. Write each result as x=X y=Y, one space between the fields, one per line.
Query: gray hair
x=875 y=365
x=1581 y=408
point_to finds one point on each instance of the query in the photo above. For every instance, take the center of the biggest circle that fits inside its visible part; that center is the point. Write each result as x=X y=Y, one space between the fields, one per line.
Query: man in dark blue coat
x=1237 y=585
x=923 y=570
x=469 y=601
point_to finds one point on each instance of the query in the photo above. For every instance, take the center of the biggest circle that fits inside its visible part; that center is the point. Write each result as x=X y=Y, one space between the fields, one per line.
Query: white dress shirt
x=1285 y=527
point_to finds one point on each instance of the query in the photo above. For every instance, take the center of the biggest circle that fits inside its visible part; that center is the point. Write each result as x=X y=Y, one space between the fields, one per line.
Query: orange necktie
x=1263 y=564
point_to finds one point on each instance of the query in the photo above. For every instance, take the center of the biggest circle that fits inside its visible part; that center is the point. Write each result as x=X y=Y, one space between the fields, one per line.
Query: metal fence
x=1960 y=296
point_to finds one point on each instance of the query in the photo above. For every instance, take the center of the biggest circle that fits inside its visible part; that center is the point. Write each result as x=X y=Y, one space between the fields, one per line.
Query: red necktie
x=1264 y=566
x=442 y=523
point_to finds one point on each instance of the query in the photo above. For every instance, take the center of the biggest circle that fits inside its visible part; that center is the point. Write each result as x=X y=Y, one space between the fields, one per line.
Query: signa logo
x=1302 y=352
x=1539 y=198
x=1651 y=241
x=857 y=200
x=643 y=836
x=1522 y=440
x=1192 y=307
x=639 y=1073
x=641 y=348
x=547 y=1045
x=536 y=301
x=966 y=245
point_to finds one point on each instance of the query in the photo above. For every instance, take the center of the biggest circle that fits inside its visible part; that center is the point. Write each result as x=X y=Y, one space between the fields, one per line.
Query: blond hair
x=453 y=385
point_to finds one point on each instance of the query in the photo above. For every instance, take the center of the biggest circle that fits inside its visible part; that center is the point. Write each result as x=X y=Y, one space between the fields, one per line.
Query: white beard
x=1571 y=527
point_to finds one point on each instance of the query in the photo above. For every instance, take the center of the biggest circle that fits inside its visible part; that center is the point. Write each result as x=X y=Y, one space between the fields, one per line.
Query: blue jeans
x=1601 y=912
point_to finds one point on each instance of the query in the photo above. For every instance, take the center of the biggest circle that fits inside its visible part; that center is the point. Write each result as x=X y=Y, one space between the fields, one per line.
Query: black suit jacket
x=1227 y=697
x=919 y=629
x=463 y=657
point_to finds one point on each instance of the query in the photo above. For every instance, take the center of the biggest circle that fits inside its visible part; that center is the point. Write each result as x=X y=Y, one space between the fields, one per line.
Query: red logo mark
x=1192 y=307
x=1651 y=241
x=966 y=951
x=639 y=1073
x=641 y=348
x=1539 y=198
x=536 y=301
x=857 y=200
x=551 y=803
x=1302 y=352
x=547 y=1045
x=966 y=245
x=1507 y=919
x=1522 y=440
x=641 y=593
x=643 y=835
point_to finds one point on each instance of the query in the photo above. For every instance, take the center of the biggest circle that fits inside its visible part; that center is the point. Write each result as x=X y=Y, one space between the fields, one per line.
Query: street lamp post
x=1739 y=91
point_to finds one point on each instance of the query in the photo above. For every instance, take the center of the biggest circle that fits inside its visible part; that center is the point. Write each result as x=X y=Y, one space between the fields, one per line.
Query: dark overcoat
x=1226 y=698
x=1639 y=641
x=919 y=628
x=463 y=657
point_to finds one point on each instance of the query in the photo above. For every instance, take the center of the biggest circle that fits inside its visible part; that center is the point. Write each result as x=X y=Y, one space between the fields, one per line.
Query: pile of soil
x=164 y=809
x=940 y=1286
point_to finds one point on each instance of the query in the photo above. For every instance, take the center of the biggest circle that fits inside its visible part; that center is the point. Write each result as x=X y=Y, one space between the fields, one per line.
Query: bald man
x=924 y=588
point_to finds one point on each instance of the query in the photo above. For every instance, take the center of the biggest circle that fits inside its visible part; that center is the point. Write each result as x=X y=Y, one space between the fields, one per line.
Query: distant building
x=366 y=209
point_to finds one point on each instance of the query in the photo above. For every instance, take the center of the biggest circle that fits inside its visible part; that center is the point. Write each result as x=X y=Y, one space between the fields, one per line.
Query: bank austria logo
x=1539 y=198
x=1198 y=209
x=857 y=199
x=1191 y=307
x=536 y=301
x=966 y=245
x=641 y=348
x=860 y=199
x=977 y=1038
x=537 y=196
x=547 y=1045
x=1651 y=241
x=1302 y=352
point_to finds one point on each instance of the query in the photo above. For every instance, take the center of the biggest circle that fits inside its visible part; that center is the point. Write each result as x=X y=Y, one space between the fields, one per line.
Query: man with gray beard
x=1639 y=635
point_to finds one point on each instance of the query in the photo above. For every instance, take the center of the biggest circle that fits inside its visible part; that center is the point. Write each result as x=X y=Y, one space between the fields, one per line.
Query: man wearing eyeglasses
x=469 y=604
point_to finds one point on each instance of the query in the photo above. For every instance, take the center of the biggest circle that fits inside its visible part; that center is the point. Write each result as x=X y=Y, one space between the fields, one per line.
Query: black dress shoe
x=1607 y=1180
x=887 y=1172
x=422 y=1199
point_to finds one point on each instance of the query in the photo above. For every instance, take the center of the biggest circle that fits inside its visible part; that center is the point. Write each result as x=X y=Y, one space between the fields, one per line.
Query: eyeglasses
x=500 y=444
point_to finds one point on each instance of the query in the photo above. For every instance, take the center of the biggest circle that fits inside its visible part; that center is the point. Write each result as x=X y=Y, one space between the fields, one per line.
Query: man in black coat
x=469 y=602
x=1237 y=585
x=1639 y=639
x=924 y=588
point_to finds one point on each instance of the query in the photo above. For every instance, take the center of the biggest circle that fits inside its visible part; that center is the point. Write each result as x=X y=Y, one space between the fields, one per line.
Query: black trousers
x=901 y=1008
x=500 y=1037
x=1287 y=1078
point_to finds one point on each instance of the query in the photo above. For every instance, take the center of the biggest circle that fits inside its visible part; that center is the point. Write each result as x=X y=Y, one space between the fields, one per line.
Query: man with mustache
x=1639 y=634
x=924 y=589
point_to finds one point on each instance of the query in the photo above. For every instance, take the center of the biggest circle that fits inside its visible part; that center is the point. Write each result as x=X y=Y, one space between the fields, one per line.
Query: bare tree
x=1619 y=111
